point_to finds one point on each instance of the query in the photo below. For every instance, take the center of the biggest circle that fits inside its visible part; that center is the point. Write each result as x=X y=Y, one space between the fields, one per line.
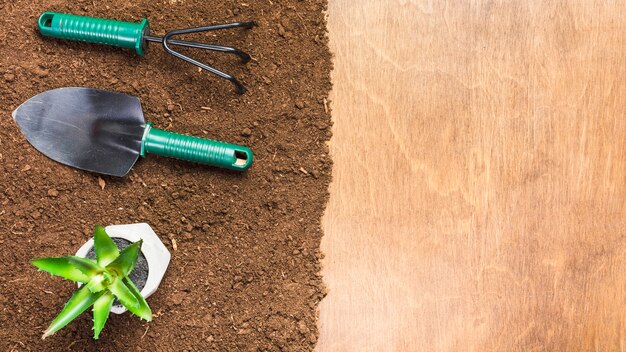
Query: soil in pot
x=244 y=272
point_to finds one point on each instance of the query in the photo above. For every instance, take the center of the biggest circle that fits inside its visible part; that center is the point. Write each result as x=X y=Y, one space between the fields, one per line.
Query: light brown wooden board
x=479 y=192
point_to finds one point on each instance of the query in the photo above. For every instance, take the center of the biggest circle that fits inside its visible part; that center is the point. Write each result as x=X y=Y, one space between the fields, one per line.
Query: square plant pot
x=151 y=263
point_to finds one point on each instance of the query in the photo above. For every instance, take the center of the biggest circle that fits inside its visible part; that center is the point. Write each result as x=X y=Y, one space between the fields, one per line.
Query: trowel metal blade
x=90 y=129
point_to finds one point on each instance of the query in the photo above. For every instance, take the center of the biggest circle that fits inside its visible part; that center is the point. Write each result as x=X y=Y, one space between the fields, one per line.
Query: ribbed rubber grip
x=199 y=150
x=94 y=30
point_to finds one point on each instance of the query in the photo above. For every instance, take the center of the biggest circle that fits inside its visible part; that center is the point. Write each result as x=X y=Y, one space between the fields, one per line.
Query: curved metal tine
x=166 y=41
x=224 y=49
x=244 y=56
x=217 y=27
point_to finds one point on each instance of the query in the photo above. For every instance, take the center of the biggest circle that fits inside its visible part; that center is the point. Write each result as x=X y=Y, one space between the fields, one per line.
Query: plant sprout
x=104 y=279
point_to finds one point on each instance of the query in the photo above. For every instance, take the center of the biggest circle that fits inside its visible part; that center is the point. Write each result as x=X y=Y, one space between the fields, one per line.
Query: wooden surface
x=479 y=193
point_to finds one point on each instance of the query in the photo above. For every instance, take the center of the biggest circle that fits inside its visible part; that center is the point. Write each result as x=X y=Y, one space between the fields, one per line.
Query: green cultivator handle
x=95 y=30
x=200 y=150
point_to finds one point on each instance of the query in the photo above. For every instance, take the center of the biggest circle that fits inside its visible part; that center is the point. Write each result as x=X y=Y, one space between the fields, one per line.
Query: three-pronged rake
x=137 y=36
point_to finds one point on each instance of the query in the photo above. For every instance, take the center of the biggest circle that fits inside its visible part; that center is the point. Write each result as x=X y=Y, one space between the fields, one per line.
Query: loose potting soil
x=245 y=262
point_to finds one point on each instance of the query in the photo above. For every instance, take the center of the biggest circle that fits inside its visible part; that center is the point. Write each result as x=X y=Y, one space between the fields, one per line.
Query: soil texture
x=244 y=274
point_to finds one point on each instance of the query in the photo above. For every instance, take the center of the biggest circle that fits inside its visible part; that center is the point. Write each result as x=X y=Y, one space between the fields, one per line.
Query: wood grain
x=479 y=192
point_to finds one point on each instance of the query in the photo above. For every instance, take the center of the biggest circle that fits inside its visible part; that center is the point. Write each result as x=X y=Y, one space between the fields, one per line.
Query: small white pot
x=157 y=255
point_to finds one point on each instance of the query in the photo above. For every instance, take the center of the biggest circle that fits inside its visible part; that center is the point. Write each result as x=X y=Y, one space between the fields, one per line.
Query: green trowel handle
x=199 y=150
x=94 y=30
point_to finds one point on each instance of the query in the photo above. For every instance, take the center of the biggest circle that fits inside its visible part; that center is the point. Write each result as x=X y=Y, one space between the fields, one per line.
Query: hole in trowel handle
x=242 y=158
x=46 y=20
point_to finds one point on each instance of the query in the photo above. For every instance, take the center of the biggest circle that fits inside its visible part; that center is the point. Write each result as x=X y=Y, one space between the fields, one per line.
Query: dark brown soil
x=245 y=274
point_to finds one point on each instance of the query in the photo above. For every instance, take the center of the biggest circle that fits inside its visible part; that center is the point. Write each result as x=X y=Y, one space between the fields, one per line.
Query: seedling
x=103 y=279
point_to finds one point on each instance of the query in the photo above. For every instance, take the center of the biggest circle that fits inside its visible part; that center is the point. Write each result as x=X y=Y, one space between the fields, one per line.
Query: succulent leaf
x=143 y=310
x=80 y=301
x=123 y=294
x=101 y=309
x=87 y=266
x=99 y=282
x=61 y=267
x=125 y=262
x=105 y=248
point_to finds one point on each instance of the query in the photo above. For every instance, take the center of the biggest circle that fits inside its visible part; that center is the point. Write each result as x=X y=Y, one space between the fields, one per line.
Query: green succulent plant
x=103 y=279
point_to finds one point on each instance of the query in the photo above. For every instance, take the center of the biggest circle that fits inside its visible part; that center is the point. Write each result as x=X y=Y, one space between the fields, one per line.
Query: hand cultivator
x=137 y=36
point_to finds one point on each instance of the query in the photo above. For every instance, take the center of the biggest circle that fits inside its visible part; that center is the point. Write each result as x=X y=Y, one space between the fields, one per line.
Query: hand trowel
x=105 y=132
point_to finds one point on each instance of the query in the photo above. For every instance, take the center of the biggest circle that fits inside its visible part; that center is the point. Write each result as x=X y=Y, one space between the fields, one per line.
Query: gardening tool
x=137 y=36
x=105 y=132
